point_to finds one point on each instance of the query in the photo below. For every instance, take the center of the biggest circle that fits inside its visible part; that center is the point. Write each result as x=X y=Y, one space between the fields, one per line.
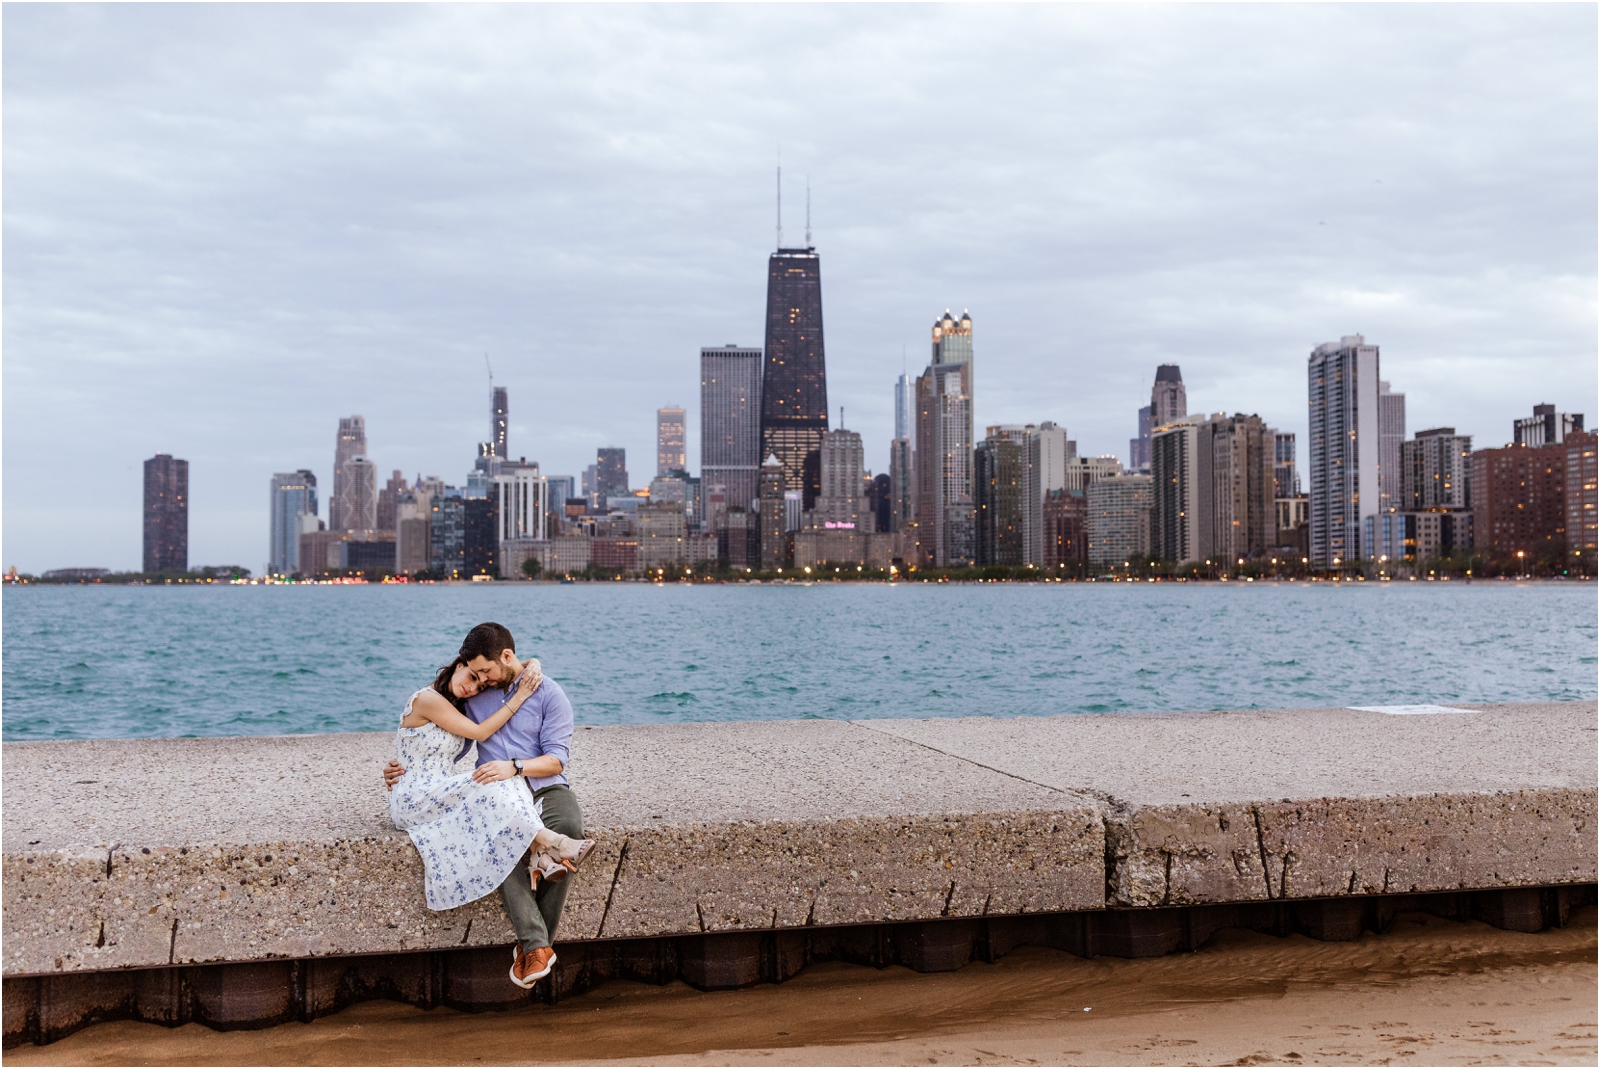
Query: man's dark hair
x=487 y=640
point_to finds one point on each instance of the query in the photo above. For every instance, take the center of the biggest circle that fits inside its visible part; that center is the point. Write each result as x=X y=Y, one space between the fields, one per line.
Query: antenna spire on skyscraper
x=490 y=369
x=780 y=198
x=808 y=226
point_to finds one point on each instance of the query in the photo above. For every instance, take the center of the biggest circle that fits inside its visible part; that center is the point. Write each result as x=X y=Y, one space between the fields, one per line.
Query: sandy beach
x=1427 y=992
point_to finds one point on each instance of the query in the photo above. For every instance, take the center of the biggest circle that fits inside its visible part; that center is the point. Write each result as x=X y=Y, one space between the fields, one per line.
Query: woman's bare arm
x=432 y=706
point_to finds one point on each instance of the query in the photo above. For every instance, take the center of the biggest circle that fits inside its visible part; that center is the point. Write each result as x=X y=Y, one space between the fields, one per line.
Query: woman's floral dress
x=470 y=835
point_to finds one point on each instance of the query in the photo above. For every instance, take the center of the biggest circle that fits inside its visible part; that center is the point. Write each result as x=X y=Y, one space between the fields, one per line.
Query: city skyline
x=1090 y=250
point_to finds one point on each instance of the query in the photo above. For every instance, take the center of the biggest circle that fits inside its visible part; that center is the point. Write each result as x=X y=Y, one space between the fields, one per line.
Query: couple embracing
x=514 y=822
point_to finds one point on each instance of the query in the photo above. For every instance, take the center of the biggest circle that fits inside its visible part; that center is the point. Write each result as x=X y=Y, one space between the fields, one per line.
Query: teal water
x=82 y=662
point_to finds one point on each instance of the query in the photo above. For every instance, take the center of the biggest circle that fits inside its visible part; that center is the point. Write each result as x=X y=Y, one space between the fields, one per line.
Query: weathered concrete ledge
x=150 y=855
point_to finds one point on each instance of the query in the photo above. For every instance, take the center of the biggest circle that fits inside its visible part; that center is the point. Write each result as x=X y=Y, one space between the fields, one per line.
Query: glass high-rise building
x=499 y=416
x=902 y=478
x=794 y=387
x=480 y=541
x=611 y=473
x=1000 y=464
x=905 y=407
x=1139 y=447
x=447 y=533
x=294 y=497
x=730 y=424
x=166 y=514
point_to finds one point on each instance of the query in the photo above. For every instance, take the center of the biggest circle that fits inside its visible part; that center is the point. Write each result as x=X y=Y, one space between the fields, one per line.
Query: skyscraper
x=1118 y=519
x=1000 y=475
x=1434 y=471
x=413 y=527
x=882 y=504
x=611 y=473
x=352 y=442
x=358 y=495
x=1285 y=477
x=1046 y=464
x=294 y=496
x=794 y=387
x=563 y=488
x=669 y=440
x=1066 y=520
x=905 y=407
x=591 y=485
x=499 y=413
x=1244 y=511
x=774 y=529
x=1342 y=386
x=1181 y=458
x=480 y=535
x=902 y=483
x=1168 y=400
x=522 y=499
x=839 y=505
x=446 y=533
x=730 y=424
x=1139 y=447
x=1391 y=433
x=944 y=445
x=389 y=499
x=166 y=514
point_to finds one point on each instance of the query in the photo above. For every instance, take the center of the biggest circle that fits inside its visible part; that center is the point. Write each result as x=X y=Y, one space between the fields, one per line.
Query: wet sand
x=1428 y=992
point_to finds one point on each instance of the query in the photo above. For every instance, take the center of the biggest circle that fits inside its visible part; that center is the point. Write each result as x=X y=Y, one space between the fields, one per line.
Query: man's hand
x=391 y=775
x=494 y=771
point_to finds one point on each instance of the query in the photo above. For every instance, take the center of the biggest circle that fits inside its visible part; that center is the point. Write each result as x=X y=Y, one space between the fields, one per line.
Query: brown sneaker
x=532 y=966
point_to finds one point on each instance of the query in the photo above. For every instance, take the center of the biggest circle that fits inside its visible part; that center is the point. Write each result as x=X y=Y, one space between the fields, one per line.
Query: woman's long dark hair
x=441 y=683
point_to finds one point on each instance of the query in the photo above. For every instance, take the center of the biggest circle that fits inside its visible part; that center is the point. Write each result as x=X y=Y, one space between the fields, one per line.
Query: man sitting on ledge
x=533 y=744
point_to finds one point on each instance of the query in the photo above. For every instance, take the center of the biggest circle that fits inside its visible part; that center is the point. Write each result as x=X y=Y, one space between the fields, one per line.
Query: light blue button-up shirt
x=543 y=725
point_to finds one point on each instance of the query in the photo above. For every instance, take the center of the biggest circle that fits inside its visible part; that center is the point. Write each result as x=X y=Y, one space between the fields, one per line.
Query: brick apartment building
x=1583 y=482
x=1519 y=500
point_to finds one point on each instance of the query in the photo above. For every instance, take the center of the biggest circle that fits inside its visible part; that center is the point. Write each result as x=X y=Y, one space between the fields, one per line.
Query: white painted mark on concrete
x=1410 y=710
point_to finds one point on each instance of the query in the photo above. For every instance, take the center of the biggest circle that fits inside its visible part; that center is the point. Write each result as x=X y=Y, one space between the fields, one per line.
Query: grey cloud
x=226 y=226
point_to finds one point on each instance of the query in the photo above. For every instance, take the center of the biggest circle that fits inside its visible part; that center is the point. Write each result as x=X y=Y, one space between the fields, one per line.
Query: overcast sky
x=227 y=226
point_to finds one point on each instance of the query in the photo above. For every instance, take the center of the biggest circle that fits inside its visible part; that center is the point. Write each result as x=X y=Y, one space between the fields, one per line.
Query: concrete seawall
x=148 y=855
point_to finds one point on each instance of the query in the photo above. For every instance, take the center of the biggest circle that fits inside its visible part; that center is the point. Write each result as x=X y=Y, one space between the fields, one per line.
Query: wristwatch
x=518 y=763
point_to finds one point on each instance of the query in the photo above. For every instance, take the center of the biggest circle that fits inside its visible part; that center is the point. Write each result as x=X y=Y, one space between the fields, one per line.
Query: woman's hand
x=494 y=772
x=532 y=676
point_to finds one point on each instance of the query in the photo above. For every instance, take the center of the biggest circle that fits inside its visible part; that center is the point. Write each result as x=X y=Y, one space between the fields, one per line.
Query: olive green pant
x=535 y=916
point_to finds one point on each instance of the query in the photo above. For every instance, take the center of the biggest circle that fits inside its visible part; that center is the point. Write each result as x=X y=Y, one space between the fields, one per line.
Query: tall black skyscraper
x=794 y=387
x=166 y=514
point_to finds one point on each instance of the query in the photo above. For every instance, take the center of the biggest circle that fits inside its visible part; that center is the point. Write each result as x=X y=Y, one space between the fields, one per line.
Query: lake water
x=84 y=662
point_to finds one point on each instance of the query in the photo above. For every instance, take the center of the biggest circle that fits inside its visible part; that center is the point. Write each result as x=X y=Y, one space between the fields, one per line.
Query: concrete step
x=254 y=995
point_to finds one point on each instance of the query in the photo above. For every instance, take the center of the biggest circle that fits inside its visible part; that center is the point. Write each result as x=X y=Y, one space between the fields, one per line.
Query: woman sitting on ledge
x=470 y=835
